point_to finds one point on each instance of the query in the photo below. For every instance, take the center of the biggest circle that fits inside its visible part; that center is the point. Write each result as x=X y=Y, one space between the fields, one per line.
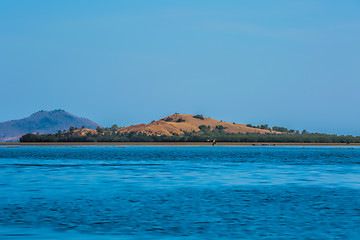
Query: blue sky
x=287 y=63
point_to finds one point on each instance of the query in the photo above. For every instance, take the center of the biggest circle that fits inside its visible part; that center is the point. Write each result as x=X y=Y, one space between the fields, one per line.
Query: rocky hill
x=42 y=122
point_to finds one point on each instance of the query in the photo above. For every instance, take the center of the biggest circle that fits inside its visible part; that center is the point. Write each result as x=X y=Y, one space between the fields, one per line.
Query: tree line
x=276 y=128
x=203 y=135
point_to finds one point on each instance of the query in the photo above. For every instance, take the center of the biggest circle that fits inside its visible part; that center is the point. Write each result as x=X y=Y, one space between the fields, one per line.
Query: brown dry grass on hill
x=173 y=125
x=83 y=132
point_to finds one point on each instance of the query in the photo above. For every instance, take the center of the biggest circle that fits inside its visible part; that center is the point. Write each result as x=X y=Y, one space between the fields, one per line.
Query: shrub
x=220 y=128
x=168 y=119
x=265 y=126
x=201 y=117
x=204 y=128
x=99 y=130
x=280 y=129
x=114 y=127
x=180 y=120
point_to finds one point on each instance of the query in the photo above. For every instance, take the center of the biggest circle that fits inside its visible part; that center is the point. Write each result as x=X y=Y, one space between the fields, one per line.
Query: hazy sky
x=289 y=63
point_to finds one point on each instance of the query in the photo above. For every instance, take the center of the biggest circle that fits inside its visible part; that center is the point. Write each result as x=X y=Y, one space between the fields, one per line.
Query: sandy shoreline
x=173 y=144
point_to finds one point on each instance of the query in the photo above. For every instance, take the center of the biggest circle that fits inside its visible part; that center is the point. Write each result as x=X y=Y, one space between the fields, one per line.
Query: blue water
x=139 y=192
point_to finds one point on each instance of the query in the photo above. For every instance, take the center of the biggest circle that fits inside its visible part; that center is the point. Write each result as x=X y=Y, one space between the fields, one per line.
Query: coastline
x=174 y=144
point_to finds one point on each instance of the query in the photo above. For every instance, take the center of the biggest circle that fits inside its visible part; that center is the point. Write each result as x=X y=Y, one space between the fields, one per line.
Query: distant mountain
x=42 y=122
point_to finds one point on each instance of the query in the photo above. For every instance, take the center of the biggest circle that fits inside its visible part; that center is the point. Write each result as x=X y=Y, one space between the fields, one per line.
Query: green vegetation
x=180 y=120
x=275 y=128
x=220 y=128
x=205 y=130
x=265 y=126
x=280 y=129
x=201 y=117
x=115 y=127
x=204 y=134
x=168 y=119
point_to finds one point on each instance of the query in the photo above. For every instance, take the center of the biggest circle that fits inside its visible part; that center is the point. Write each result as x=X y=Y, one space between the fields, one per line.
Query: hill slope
x=180 y=123
x=42 y=122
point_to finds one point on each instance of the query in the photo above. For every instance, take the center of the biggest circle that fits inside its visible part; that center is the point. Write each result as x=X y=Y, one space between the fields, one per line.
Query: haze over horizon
x=284 y=63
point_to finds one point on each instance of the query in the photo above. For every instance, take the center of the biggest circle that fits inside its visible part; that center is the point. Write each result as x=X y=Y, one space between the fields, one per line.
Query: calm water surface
x=135 y=192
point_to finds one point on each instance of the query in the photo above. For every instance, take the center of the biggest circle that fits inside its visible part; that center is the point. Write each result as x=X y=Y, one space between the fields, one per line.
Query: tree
x=99 y=129
x=220 y=128
x=114 y=127
x=198 y=116
x=265 y=126
x=280 y=129
x=180 y=120
x=168 y=119
x=204 y=128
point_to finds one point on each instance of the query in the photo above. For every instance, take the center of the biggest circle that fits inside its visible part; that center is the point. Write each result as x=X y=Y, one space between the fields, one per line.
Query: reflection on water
x=179 y=193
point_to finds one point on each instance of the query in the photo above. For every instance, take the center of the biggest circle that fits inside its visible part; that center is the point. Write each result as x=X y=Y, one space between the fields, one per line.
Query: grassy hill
x=181 y=123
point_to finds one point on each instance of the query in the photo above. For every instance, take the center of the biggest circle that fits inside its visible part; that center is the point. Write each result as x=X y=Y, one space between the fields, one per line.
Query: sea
x=179 y=192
